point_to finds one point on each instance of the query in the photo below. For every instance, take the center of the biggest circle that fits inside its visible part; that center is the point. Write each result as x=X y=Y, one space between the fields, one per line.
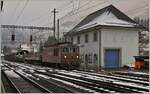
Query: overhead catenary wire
x=71 y=14
x=14 y=12
x=90 y=8
x=46 y=12
x=26 y=3
x=94 y=6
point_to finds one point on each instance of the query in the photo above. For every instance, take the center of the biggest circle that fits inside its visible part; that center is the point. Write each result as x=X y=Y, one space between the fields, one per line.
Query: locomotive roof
x=60 y=44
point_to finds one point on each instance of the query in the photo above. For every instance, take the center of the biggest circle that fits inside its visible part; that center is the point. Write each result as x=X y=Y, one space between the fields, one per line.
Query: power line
x=70 y=13
x=22 y=11
x=61 y=8
x=13 y=13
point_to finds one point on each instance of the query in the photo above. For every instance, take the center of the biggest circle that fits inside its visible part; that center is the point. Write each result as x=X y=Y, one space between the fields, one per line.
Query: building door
x=112 y=58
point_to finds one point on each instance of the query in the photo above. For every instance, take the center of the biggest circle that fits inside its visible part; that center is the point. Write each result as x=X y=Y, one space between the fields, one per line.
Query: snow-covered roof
x=108 y=16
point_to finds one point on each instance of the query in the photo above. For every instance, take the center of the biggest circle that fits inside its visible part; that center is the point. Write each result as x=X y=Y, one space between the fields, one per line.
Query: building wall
x=90 y=48
x=124 y=39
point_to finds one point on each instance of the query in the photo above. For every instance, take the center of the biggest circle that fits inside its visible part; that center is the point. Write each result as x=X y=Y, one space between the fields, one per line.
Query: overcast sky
x=38 y=12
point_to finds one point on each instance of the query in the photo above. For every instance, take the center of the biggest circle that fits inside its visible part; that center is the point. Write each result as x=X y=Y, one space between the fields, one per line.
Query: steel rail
x=34 y=83
x=11 y=83
x=107 y=85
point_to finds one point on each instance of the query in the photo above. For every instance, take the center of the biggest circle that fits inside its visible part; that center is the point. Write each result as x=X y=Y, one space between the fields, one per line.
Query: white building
x=107 y=39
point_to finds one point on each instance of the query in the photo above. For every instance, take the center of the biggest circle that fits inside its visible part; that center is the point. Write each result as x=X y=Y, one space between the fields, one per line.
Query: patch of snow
x=92 y=77
x=70 y=78
x=44 y=76
x=77 y=86
x=42 y=70
x=112 y=77
x=26 y=74
x=143 y=73
x=32 y=71
x=11 y=73
x=80 y=81
x=2 y=64
x=130 y=84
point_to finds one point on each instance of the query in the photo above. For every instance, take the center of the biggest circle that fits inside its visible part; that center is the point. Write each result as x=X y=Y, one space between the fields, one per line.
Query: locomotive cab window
x=65 y=49
x=74 y=50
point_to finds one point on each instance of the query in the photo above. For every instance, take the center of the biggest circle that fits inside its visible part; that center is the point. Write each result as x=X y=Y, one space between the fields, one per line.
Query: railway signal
x=13 y=37
x=31 y=38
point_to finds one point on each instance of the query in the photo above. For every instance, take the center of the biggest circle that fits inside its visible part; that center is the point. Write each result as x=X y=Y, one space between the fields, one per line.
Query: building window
x=56 y=51
x=82 y=58
x=95 y=58
x=86 y=38
x=78 y=39
x=90 y=58
x=95 y=36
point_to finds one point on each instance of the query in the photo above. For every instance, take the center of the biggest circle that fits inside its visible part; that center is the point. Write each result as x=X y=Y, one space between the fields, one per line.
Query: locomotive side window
x=74 y=50
x=66 y=49
x=56 y=51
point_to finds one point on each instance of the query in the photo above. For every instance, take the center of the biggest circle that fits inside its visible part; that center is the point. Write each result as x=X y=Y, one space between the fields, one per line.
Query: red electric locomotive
x=64 y=55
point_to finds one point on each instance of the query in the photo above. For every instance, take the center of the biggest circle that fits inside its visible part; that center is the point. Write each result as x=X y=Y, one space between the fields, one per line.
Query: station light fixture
x=65 y=57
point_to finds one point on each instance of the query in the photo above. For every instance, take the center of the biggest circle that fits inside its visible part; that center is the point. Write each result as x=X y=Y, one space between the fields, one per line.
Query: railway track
x=118 y=77
x=52 y=84
x=86 y=85
x=102 y=86
x=89 y=83
x=142 y=76
x=21 y=84
x=55 y=85
x=8 y=86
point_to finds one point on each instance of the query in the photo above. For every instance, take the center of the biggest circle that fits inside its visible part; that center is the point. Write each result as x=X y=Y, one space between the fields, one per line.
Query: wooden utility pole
x=54 y=27
x=58 y=29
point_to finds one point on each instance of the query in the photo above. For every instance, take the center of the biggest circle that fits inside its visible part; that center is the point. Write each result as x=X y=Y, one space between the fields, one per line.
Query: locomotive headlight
x=77 y=56
x=65 y=57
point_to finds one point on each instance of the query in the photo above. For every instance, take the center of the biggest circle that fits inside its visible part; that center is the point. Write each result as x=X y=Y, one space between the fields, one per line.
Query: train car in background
x=63 y=55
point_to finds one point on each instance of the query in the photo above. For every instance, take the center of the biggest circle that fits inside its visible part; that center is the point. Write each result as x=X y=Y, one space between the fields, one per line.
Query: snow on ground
x=131 y=84
x=139 y=73
x=26 y=74
x=11 y=73
x=42 y=70
x=97 y=74
x=81 y=74
x=65 y=82
x=44 y=76
x=32 y=71
x=81 y=81
x=74 y=85
x=70 y=78
x=92 y=77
